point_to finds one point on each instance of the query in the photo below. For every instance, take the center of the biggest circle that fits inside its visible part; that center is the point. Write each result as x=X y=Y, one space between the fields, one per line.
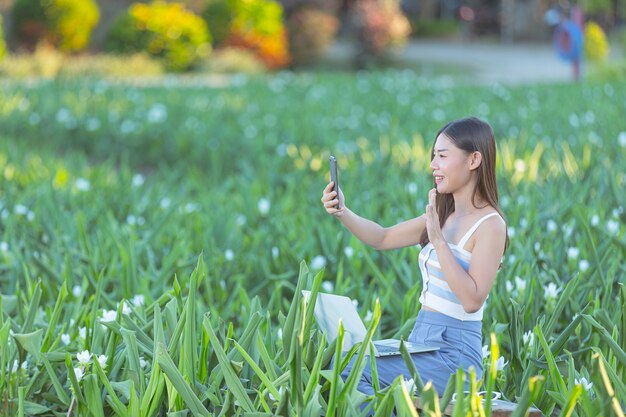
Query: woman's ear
x=476 y=158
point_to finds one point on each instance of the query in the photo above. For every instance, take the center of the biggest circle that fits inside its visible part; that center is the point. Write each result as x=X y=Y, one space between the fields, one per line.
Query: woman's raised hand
x=330 y=199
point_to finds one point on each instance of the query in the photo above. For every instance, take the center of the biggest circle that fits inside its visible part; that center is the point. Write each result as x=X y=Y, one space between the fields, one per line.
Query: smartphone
x=333 y=176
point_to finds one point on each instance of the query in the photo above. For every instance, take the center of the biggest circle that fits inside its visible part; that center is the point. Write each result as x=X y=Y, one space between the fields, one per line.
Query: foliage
x=257 y=25
x=48 y=63
x=164 y=30
x=596 y=44
x=233 y=60
x=380 y=26
x=3 y=46
x=66 y=24
x=219 y=15
x=183 y=210
x=427 y=28
x=310 y=31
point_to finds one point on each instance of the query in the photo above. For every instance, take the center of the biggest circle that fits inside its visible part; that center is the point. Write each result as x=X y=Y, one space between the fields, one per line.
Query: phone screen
x=333 y=175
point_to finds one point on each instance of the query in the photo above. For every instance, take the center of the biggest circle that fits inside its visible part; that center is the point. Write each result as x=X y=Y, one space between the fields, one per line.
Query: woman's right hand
x=330 y=200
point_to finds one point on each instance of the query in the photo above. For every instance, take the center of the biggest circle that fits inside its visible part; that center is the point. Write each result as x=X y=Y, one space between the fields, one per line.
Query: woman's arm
x=382 y=238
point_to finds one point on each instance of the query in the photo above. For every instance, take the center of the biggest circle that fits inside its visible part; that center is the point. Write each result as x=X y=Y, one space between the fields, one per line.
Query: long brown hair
x=470 y=135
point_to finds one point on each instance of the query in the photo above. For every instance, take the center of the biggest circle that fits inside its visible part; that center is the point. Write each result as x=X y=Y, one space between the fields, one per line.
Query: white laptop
x=329 y=308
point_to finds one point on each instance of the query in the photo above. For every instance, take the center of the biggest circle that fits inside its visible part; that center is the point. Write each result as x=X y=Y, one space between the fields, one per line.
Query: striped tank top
x=436 y=293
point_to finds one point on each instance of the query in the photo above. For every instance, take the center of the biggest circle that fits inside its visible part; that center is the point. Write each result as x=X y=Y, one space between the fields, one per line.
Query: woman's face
x=450 y=166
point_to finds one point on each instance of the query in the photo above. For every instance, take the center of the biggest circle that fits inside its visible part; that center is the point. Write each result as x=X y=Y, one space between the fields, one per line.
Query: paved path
x=489 y=62
x=483 y=62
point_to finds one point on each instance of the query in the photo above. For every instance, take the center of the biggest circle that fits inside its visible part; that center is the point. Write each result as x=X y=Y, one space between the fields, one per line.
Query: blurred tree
x=66 y=24
x=310 y=31
x=165 y=30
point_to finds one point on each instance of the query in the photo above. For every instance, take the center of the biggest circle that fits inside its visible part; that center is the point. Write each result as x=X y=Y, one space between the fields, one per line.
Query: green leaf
x=232 y=380
x=93 y=395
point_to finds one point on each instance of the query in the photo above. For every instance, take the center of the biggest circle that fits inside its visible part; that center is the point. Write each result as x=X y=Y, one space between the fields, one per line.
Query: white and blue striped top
x=436 y=293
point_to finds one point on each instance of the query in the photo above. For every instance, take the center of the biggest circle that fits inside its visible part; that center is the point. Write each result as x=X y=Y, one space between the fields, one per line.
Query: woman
x=463 y=237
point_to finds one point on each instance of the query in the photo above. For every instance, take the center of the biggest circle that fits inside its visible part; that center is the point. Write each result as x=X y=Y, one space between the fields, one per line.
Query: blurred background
x=454 y=37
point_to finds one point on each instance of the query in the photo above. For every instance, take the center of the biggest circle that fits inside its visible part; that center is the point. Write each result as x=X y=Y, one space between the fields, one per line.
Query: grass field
x=153 y=240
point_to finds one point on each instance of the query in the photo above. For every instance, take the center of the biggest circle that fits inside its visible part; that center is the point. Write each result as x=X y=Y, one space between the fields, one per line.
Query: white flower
x=327 y=286
x=595 y=220
x=486 y=351
x=275 y=252
x=368 y=315
x=512 y=258
x=82 y=332
x=138 y=300
x=82 y=184
x=20 y=209
x=572 y=253
x=583 y=265
x=142 y=362
x=83 y=357
x=131 y=219
x=500 y=363
x=30 y=216
x=191 y=207
x=511 y=231
x=79 y=373
x=348 y=251
x=529 y=337
x=551 y=291
x=537 y=246
x=4 y=247
x=264 y=205
x=241 y=220
x=280 y=391
x=621 y=138
x=102 y=360
x=157 y=113
x=318 y=262
x=409 y=385
x=509 y=286
x=92 y=124
x=355 y=303
x=523 y=222
x=520 y=283
x=613 y=227
x=519 y=165
x=411 y=188
x=583 y=381
x=279 y=333
x=138 y=180
x=109 y=315
x=229 y=255
x=77 y=290
x=65 y=338
x=165 y=202
x=552 y=226
x=126 y=308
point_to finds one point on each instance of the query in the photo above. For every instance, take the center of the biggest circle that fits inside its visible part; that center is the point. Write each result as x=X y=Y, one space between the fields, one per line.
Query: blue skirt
x=460 y=346
x=459 y=342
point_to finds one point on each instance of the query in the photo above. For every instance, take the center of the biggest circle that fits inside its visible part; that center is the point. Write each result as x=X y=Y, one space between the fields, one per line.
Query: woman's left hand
x=435 y=235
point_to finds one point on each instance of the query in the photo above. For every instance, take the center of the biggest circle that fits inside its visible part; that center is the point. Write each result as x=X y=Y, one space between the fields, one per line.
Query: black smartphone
x=333 y=176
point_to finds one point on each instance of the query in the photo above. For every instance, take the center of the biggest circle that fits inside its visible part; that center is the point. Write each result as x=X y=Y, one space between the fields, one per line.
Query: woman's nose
x=433 y=165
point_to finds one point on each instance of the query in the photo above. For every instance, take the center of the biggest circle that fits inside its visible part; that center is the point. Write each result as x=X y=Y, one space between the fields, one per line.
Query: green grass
x=164 y=227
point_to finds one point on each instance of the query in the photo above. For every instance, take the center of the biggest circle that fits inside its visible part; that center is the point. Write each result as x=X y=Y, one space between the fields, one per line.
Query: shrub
x=596 y=44
x=47 y=62
x=380 y=25
x=218 y=14
x=164 y=30
x=310 y=32
x=426 y=28
x=66 y=24
x=257 y=25
x=3 y=46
